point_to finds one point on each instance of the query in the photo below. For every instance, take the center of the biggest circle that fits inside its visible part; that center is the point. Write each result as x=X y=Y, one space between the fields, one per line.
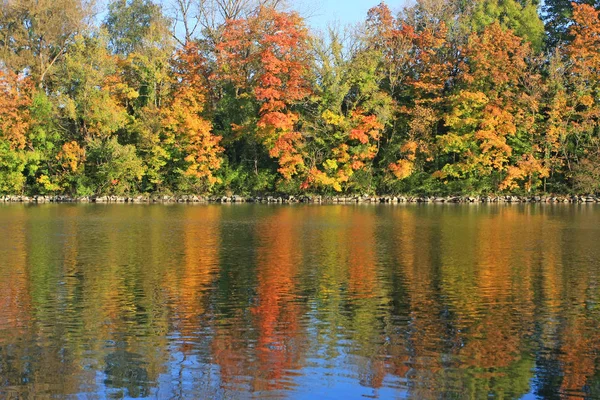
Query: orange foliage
x=15 y=99
x=429 y=63
x=583 y=51
x=527 y=167
x=395 y=41
x=401 y=168
x=496 y=110
x=71 y=156
x=363 y=133
x=584 y=71
x=265 y=55
x=191 y=132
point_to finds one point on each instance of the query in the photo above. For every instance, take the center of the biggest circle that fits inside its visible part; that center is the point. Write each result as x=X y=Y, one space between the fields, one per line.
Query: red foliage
x=265 y=56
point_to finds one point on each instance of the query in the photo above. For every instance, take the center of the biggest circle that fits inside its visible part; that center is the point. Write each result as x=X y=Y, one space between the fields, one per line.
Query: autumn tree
x=194 y=152
x=262 y=59
x=580 y=108
x=558 y=15
x=31 y=37
x=347 y=115
x=420 y=41
x=15 y=100
x=492 y=122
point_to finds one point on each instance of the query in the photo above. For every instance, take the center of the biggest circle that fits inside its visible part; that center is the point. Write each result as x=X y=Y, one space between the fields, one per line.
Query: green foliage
x=114 y=169
x=242 y=180
x=135 y=25
x=46 y=142
x=12 y=165
x=519 y=16
x=85 y=102
x=144 y=131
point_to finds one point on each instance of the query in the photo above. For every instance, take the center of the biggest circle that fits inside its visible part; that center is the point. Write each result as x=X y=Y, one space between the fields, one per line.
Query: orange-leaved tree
x=264 y=57
x=581 y=112
x=193 y=147
x=15 y=101
x=431 y=63
x=492 y=123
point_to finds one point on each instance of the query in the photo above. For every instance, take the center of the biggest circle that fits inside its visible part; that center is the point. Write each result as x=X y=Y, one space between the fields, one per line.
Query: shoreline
x=305 y=199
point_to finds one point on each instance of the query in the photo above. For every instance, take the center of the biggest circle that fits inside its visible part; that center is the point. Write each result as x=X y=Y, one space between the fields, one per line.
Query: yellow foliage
x=402 y=168
x=526 y=170
x=71 y=156
x=332 y=118
x=330 y=165
x=47 y=184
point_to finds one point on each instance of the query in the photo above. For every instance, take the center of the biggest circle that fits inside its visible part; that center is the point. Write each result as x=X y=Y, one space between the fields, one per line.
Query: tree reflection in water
x=291 y=301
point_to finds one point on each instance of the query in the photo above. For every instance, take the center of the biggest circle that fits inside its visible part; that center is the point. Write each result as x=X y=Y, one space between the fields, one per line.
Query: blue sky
x=321 y=12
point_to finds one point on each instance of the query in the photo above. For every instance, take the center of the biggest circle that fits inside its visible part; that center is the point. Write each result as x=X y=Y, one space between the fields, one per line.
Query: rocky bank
x=164 y=199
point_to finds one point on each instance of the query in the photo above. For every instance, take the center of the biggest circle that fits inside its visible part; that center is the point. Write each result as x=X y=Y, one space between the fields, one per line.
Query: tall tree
x=194 y=150
x=521 y=16
x=15 y=100
x=31 y=37
x=582 y=105
x=492 y=122
x=135 y=26
x=264 y=58
x=558 y=15
x=422 y=59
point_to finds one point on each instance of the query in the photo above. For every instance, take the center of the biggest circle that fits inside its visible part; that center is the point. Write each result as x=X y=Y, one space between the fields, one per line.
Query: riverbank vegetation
x=443 y=97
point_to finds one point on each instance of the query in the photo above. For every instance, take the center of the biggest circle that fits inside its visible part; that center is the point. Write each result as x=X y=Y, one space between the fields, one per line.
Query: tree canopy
x=442 y=97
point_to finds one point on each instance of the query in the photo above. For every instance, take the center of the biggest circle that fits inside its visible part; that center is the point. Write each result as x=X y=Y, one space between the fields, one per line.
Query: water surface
x=255 y=301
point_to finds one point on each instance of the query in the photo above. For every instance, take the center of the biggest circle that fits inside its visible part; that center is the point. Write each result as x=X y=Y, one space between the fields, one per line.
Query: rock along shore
x=151 y=199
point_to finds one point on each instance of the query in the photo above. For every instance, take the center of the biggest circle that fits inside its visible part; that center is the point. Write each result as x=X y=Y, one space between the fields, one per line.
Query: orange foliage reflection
x=278 y=312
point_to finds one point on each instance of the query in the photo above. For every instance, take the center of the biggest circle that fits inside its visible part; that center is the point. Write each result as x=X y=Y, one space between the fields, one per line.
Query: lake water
x=255 y=301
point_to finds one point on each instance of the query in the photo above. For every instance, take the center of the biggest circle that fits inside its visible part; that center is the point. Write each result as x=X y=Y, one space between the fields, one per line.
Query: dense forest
x=239 y=96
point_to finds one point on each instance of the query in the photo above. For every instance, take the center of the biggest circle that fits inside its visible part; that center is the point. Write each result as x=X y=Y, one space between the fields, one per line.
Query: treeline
x=238 y=96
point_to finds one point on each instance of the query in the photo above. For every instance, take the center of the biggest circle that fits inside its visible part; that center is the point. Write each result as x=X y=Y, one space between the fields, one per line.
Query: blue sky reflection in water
x=451 y=301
